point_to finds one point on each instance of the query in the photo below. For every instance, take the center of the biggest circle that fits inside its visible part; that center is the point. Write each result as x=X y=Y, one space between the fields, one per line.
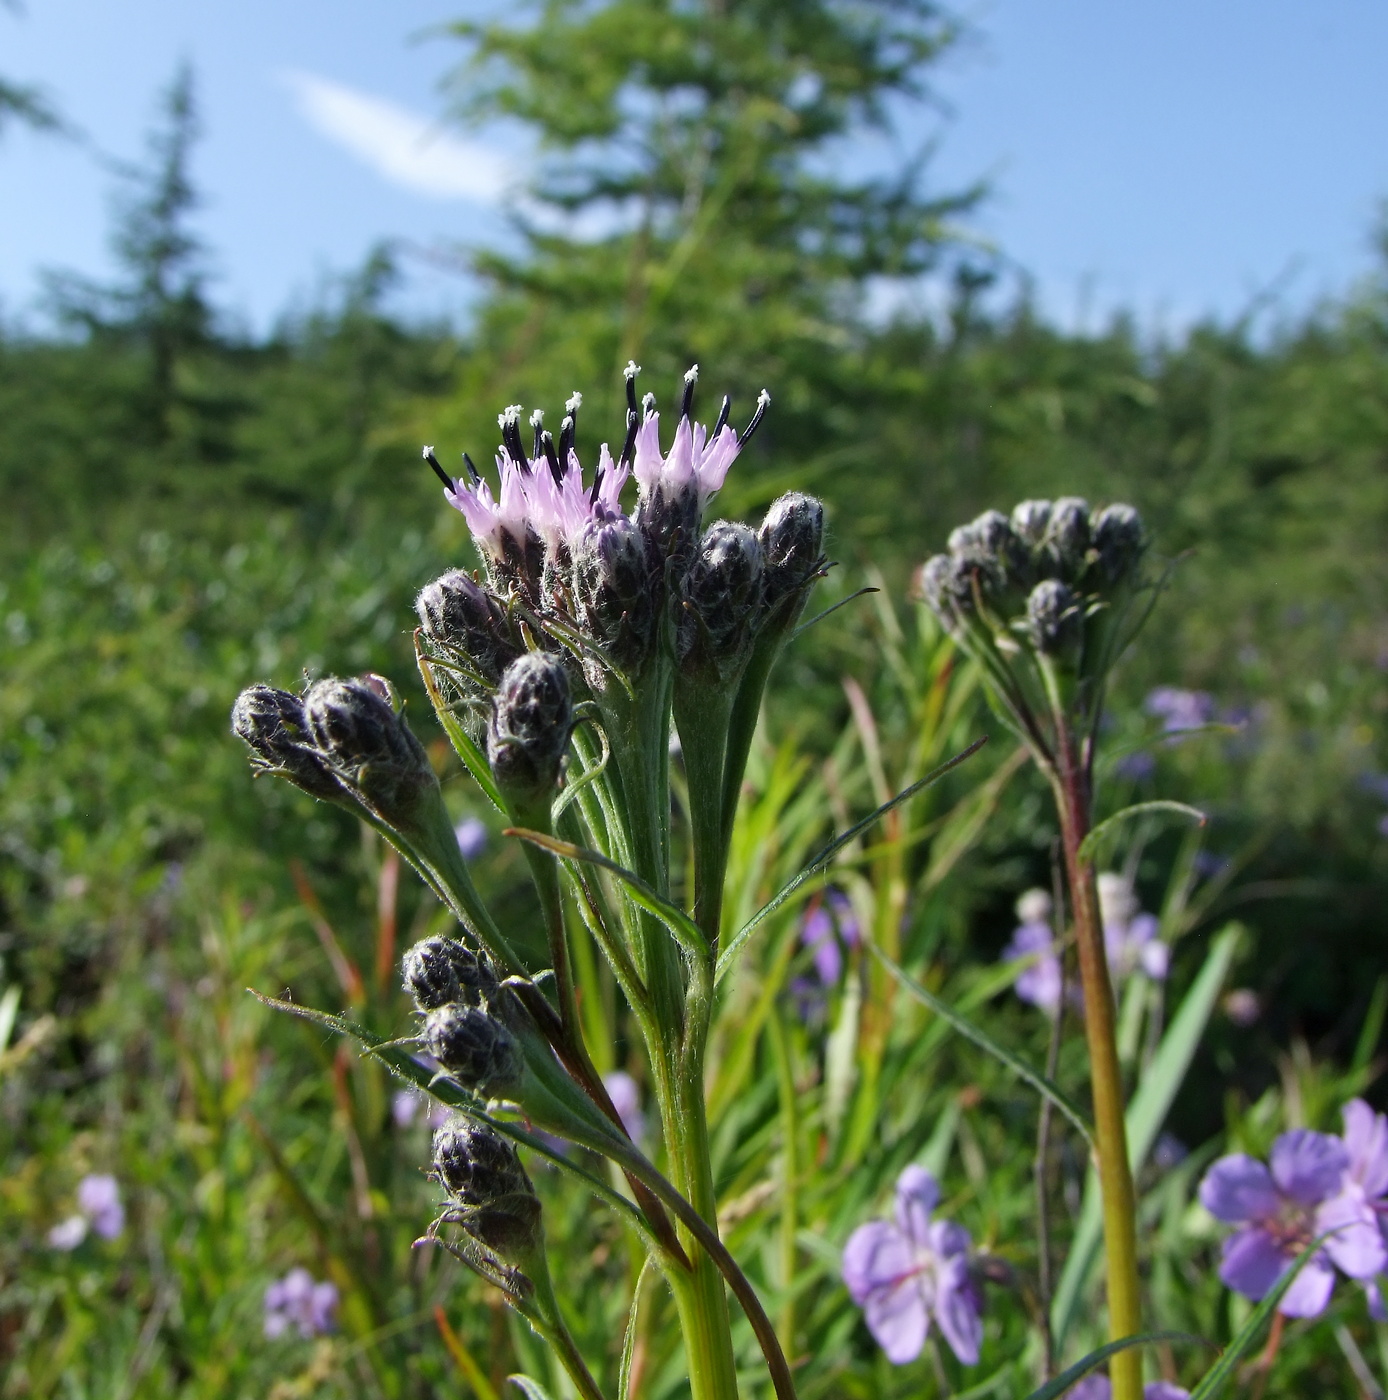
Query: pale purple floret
x=625 y=1094
x=693 y=459
x=1280 y=1209
x=1096 y=1386
x=1180 y=710
x=99 y=1210
x=472 y=837
x=98 y=1198
x=1131 y=938
x=829 y=928
x=906 y=1273
x=297 y=1301
x=1039 y=982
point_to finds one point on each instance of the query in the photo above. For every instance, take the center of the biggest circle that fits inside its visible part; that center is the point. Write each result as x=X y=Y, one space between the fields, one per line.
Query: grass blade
x=1106 y=828
x=1067 y=1378
x=734 y=944
x=985 y=1042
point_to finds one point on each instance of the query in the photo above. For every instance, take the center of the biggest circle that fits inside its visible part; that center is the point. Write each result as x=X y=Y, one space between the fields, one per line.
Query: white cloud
x=405 y=147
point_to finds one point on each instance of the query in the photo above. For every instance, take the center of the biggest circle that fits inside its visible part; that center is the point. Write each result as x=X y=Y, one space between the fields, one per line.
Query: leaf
x=984 y=1041
x=473 y=758
x=1222 y=1372
x=462 y=1357
x=1099 y=834
x=1144 y=1117
x=1057 y=1387
x=820 y=616
x=532 y=1388
x=629 y=1340
x=671 y=915
x=734 y=944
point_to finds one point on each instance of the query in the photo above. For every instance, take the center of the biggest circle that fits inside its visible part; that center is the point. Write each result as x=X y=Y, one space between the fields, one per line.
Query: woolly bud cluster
x=461 y=617
x=493 y=1198
x=343 y=739
x=1051 y=562
x=475 y=1048
x=441 y=970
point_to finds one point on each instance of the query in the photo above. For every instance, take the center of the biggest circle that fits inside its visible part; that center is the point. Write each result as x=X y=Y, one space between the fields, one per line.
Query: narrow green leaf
x=1222 y=1372
x=473 y=758
x=671 y=915
x=735 y=943
x=1144 y=1117
x=532 y=1388
x=629 y=1340
x=984 y=1041
x=1057 y=1387
x=833 y=608
x=1100 y=834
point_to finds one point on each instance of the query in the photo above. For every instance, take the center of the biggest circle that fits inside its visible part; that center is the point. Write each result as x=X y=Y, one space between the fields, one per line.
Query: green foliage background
x=188 y=511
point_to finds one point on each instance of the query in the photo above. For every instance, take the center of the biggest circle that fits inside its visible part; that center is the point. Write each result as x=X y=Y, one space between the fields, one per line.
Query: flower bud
x=441 y=970
x=1119 y=541
x=532 y=718
x=482 y=1173
x=272 y=724
x=944 y=583
x=368 y=744
x=990 y=548
x=455 y=611
x=617 y=589
x=1030 y=520
x=792 y=538
x=1067 y=538
x=475 y=1048
x=1053 y=618
x=722 y=591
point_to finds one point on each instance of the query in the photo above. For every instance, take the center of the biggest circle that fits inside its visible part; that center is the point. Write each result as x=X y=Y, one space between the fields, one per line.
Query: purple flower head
x=625 y=1094
x=472 y=837
x=1280 y=1208
x=1040 y=981
x=98 y=1198
x=906 y=1272
x=1180 y=710
x=297 y=1301
x=695 y=459
x=1131 y=938
x=1096 y=1386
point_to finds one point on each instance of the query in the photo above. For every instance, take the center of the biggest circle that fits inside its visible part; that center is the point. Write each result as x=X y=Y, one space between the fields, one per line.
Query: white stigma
x=691 y=375
x=763 y=399
x=537 y=418
x=648 y=405
x=574 y=403
x=511 y=416
x=632 y=369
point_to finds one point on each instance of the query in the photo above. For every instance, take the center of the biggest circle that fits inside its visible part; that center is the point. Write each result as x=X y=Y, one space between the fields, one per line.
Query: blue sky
x=1176 y=157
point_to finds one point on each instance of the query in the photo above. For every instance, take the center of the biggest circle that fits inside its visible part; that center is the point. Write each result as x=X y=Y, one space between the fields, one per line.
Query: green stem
x=790 y=1172
x=1072 y=789
x=549 y=1322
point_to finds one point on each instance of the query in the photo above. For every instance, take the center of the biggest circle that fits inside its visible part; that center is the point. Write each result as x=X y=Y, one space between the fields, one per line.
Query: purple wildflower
x=297 y=1301
x=1040 y=981
x=1363 y=1195
x=1281 y=1208
x=625 y=1094
x=472 y=837
x=1131 y=938
x=694 y=458
x=1096 y=1386
x=99 y=1209
x=830 y=927
x=905 y=1272
x=1180 y=710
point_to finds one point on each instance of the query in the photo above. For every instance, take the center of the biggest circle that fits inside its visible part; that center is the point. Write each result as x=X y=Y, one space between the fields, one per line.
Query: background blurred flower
x=1131 y=937
x=472 y=837
x=1179 y=710
x=99 y=1209
x=905 y=1272
x=625 y=1094
x=1040 y=981
x=297 y=1301
x=1097 y=1386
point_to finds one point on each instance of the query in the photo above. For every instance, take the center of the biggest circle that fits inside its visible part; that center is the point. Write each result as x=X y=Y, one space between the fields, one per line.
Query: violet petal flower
x=98 y=1198
x=1357 y=1213
x=298 y=1301
x=472 y=837
x=1276 y=1206
x=1097 y=1386
x=625 y=1094
x=1040 y=981
x=910 y=1271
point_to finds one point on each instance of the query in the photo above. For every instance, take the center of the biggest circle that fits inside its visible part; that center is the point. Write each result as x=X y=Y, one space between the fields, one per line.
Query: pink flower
x=297 y=1301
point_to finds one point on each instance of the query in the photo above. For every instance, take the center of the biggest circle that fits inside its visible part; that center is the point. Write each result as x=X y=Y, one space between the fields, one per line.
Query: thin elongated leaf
x=473 y=758
x=734 y=945
x=629 y=1340
x=532 y=1388
x=1144 y=1118
x=671 y=915
x=1101 y=833
x=462 y=1357
x=1053 y=1389
x=985 y=1042
x=1222 y=1372
x=833 y=608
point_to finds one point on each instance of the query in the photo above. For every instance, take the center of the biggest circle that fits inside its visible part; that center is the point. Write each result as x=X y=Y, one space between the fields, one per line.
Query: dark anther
x=691 y=378
x=544 y=443
x=566 y=437
x=537 y=423
x=473 y=474
x=439 y=472
x=722 y=418
x=631 y=371
x=763 y=400
x=511 y=438
x=629 y=446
